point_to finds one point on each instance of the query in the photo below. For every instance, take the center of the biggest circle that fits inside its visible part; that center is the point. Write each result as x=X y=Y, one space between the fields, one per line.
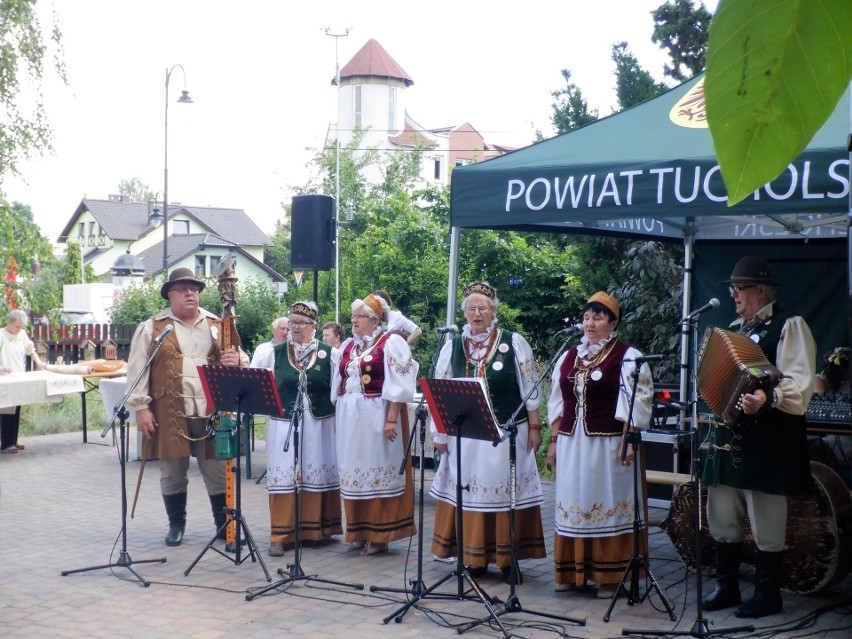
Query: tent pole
x=688 y=255
x=453 y=283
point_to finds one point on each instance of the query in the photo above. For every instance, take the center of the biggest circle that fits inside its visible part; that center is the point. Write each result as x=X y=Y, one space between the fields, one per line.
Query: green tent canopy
x=650 y=170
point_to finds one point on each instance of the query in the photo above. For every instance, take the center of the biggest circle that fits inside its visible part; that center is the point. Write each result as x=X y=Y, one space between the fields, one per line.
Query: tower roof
x=372 y=61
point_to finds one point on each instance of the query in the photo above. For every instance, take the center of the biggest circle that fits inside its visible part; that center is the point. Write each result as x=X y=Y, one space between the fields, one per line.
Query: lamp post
x=337 y=37
x=183 y=99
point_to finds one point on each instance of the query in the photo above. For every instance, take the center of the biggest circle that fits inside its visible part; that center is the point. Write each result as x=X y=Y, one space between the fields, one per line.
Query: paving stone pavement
x=60 y=510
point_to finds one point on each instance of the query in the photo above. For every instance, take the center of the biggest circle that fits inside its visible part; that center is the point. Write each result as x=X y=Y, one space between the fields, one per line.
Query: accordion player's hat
x=752 y=270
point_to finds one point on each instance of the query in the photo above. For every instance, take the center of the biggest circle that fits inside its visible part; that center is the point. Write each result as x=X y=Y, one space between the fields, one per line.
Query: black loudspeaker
x=312 y=233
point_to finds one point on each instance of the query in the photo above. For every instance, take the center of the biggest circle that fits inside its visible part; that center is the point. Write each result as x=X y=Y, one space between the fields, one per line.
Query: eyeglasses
x=739 y=289
x=185 y=288
x=357 y=317
x=480 y=309
x=294 y=324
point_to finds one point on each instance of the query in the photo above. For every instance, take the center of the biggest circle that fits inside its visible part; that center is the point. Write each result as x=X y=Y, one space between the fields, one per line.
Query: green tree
x=136 y=190
x=257 y=306
x=24 y=127
x=633 y=84
x=651 y=298
x=681 y=29
x=21 y=239
x=570 y=109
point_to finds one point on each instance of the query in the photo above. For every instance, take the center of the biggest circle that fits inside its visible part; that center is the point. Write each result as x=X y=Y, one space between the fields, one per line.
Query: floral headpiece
x=480 y=288
x=300 y=308
x=374 y=304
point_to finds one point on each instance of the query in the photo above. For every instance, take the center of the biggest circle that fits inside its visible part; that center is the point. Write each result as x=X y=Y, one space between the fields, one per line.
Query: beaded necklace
x=596 y=359
x=294 y=360
x=469 y=346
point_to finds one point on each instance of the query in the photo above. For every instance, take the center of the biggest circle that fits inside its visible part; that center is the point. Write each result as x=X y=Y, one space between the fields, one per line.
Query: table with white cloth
x=112 y=392
x=92 y=382
x=36 y=387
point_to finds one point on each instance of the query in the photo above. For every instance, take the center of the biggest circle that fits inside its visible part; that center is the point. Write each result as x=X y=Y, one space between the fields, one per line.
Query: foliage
x=24 y=128
x=70 y=266
x=136 y=190
x=775 y=73
x=570 y=109
x=257 y=306
x=651 y=299
x=22 y=241
x=681 y=29
x=633 y=84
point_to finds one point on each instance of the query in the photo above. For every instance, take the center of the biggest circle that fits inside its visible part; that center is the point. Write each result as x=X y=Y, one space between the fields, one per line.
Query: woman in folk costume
x=588 y=409
x=319 y=488
x=505 y=361
x=374 y=379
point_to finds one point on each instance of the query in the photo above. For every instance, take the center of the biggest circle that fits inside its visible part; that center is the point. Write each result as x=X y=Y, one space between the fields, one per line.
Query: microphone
x=166 y=331
x=307 y=352
x=452 y=329
x=713 y=303
x=645 y=358
x=569 y=330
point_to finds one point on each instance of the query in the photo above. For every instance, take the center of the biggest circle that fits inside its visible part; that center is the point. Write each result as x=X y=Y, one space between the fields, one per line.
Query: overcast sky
x=260 y=71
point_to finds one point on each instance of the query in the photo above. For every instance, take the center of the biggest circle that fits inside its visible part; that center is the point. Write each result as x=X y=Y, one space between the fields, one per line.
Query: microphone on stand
x=452 y=329
x=307 y=352
x=569 y=330
x=713 y=303
x=166 y=331
x=645 y=358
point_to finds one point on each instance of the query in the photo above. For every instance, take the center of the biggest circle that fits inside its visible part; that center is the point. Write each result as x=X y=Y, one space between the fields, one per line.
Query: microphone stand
x=121 y=413
x=513 y=603
x=295 y=572
x=700 y=627
x=637 y=560
x=418 y=586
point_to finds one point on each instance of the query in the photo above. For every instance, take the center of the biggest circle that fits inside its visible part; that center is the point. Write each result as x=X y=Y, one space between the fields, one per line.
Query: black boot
x=767 y=587
x=176 y=510
x=217 y=505
x=727 y=592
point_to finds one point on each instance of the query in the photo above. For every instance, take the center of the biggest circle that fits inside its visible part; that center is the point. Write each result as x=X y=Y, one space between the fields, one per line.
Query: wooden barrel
x=818 y=551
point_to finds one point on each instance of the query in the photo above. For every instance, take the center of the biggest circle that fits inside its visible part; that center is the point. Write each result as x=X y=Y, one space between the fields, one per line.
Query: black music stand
x=700 y=626
x=121 y=413
x=459 y=408
x=239 y=390
x=637 y=561
x=421 y=414
x=295 y=572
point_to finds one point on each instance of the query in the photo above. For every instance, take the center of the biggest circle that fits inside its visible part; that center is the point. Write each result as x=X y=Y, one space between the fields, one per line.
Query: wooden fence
x=79 y=342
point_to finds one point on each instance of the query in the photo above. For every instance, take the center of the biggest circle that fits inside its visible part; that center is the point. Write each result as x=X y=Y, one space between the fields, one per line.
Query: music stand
x=121 y=413
x=513 y=602
x=239 y=390
x=700 y=626
x=637 y=561
x=459 y=408
x=295 y=572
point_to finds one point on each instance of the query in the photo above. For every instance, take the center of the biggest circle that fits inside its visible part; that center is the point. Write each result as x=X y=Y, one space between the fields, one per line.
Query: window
x=391 y=109
x=214 y=263
x=356 y=120
x=93 y=226
x=180 y=227
x=437 y=168
x=200 y=266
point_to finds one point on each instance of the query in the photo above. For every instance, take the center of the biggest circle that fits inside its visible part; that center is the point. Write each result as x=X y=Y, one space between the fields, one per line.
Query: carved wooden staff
x=230 y=338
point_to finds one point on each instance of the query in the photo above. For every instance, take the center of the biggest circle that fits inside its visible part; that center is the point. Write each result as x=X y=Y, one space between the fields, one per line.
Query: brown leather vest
x=166 y=389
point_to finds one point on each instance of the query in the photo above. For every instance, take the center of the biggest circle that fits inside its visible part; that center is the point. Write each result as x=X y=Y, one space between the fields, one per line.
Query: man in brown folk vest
x=171 y=412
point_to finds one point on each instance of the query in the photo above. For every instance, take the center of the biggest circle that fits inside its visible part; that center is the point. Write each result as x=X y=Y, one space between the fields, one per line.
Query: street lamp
x=337 y=37
x=183 y=99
